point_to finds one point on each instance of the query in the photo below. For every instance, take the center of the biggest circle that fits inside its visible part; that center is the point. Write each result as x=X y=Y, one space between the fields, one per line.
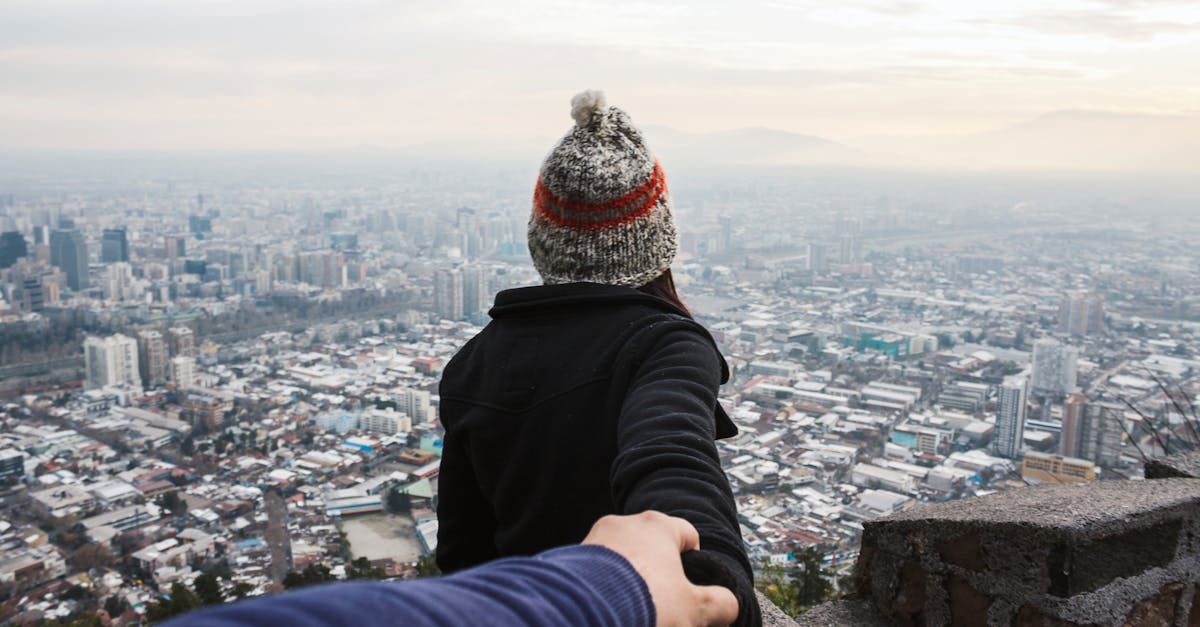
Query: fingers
x=689 y=538
x=717 y=606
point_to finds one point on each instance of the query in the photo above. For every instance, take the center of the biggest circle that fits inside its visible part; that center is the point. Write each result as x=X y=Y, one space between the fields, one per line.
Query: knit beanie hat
x=601 y=212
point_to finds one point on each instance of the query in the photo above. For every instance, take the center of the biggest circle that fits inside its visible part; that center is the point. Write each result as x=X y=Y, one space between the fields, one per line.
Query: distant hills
x=1062 y=141
x=748 y=146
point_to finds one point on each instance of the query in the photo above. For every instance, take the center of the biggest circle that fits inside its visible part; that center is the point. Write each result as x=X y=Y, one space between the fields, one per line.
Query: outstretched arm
x=667 y=460
x=627 y=573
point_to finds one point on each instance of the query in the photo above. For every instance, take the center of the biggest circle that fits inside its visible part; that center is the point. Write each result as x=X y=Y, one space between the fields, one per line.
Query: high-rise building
x=475 y=291
x=1010 y=417
x=12 y=248
x=174 y=246
x=1070 y=443
x=448 y=293
x=183 y=372
x=114 y=246
x=181 y=342
x=416 y=403
x=111 y=360
x=152 y=358
x=68 y=252
x=1100 y=437
x=818 y=263
x=1054 y=367
x=1081 y=314
x=198 y=225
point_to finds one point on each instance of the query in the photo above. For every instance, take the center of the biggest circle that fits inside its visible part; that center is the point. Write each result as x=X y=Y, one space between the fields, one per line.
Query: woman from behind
x=596 y=392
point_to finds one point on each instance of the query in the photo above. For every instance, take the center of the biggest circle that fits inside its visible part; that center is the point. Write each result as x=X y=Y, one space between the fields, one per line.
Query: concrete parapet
x=1179 y=465
x=1105 y=553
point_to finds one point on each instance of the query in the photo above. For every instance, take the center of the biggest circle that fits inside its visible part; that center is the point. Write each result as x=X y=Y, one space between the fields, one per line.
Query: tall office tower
x=818 y=263
x=1070 y=443
x=174 y=246
x=416 y=403
x=41 y=235
x=1081 y=314
x=114 y=246
x=849 y=234
x=152 y=358
x=68 y=252
x=181 y=342
x=12 y=248
x=1100 y=437
x=475 y=291
x=1054 y=367
x=111 y=360
x=1010 y=417
x=183 y=372
x=448 y=293
x=199 y=225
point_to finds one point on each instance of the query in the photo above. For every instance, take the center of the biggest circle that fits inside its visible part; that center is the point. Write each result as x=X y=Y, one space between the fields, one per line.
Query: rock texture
x=1105 y=553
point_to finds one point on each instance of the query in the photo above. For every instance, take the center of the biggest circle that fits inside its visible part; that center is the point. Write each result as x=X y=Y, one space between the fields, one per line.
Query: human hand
x=652 y=542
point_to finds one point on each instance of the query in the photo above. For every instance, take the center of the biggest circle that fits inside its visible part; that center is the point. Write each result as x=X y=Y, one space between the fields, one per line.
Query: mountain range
x=1063 y=141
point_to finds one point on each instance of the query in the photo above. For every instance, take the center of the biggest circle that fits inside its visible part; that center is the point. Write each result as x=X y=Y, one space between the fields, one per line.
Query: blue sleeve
x=575 y=585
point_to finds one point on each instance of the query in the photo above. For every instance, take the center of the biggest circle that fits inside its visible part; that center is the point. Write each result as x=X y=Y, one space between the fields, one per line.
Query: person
x=594 y=393
x=627 y=572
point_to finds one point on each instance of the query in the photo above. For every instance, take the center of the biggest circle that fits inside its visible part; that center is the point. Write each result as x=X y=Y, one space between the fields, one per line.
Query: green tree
x=241 y=589
x=312 y=574
x=172 y=502
x=361 y=568
x=115 y=606
x=812 y=585
x=780 y=589
x=427 y=566
x=180 y=600
x=398 y=501
x=208 y=589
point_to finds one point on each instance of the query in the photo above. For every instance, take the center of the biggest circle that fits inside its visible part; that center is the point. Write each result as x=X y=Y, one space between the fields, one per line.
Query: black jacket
x=582 y=400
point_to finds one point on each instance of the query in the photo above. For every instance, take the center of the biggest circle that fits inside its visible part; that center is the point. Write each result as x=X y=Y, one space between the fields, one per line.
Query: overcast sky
x=306 y=74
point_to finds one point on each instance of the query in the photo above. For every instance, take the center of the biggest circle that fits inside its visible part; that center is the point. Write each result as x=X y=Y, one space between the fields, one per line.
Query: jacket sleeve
x=466 y=523
x=667 y=459
x=584 y=585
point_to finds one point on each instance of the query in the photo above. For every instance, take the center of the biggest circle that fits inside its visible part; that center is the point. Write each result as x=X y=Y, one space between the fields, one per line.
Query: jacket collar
x=518 y=300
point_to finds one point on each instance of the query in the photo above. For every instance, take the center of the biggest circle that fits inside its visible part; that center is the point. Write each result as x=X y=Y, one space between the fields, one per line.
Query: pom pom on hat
x=587 y=104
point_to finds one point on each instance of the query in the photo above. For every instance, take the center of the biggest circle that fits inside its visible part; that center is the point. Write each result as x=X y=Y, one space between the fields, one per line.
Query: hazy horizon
x=892 y=81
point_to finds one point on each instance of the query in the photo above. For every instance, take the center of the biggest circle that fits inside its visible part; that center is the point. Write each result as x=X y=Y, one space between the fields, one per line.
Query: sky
x=316 y=75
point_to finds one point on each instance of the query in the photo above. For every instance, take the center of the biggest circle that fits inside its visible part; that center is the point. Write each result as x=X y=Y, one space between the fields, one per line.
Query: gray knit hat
x=601 y=212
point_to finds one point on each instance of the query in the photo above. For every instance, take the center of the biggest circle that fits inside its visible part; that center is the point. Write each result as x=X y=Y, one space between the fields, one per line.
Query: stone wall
x=1105 y=553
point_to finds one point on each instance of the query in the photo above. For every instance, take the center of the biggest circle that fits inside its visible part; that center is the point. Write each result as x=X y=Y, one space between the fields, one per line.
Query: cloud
x=1108 y=25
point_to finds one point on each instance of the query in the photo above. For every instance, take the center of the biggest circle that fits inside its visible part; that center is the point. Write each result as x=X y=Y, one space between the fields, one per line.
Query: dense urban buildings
x=246 y=384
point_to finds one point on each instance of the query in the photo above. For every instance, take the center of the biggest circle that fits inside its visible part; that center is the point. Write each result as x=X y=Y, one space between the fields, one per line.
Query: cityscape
x=229 y=383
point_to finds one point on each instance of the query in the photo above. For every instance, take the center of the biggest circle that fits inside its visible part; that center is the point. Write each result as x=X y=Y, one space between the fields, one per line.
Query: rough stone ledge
x=1094 y=554
x=1178 y=465
x=772 y=616
x=842 y=613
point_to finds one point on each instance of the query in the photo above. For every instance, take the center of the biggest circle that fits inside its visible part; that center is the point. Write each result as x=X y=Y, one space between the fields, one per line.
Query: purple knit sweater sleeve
x=575 y=585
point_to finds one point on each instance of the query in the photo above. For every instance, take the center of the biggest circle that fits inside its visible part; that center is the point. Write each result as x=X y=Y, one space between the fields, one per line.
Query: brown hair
x=663 y=286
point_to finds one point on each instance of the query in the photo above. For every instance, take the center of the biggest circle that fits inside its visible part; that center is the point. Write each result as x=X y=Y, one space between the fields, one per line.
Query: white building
x=112 y=360
x=183 y=372
x=387 y=421
x=1010 y=417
